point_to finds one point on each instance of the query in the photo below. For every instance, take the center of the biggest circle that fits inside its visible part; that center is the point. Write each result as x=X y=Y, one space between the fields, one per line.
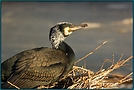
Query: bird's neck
x=56 y=39
x=69 y=53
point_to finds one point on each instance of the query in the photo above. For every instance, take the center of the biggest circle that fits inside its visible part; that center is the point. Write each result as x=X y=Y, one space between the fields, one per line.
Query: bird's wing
x=38 y=68
x=7 y=64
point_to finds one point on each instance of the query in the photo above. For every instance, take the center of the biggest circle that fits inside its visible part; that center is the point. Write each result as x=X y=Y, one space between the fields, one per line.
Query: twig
x=90 y=52
x=13 y=85
x=104 y=63
x=124 y=79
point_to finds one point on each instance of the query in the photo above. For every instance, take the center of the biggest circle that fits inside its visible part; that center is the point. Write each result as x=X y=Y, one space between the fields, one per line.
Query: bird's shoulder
x=39 y=57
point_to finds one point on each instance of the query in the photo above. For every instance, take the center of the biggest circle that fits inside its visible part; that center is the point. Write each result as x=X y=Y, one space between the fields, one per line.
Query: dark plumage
x=41 y=66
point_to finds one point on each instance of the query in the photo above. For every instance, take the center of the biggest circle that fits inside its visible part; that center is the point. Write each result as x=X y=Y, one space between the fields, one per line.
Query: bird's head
x=59 y=32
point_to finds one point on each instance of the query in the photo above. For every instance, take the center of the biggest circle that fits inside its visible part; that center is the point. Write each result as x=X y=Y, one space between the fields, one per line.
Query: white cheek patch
x=66 y=31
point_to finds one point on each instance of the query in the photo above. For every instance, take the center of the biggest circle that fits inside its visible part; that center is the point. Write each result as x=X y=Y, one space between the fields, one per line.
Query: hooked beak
x=77 y=27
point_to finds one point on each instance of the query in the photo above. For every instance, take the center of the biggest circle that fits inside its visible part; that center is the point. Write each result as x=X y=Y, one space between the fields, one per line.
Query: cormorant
x=41 y=66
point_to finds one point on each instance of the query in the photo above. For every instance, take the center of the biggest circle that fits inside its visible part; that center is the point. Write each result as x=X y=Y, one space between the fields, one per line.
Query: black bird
x=41 y=66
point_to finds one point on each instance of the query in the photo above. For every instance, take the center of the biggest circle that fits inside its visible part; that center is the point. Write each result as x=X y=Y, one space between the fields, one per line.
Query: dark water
x=26 y=25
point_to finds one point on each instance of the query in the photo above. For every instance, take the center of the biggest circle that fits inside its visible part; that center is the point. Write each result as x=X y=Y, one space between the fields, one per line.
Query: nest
x=82 y=78
x=103 y=79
